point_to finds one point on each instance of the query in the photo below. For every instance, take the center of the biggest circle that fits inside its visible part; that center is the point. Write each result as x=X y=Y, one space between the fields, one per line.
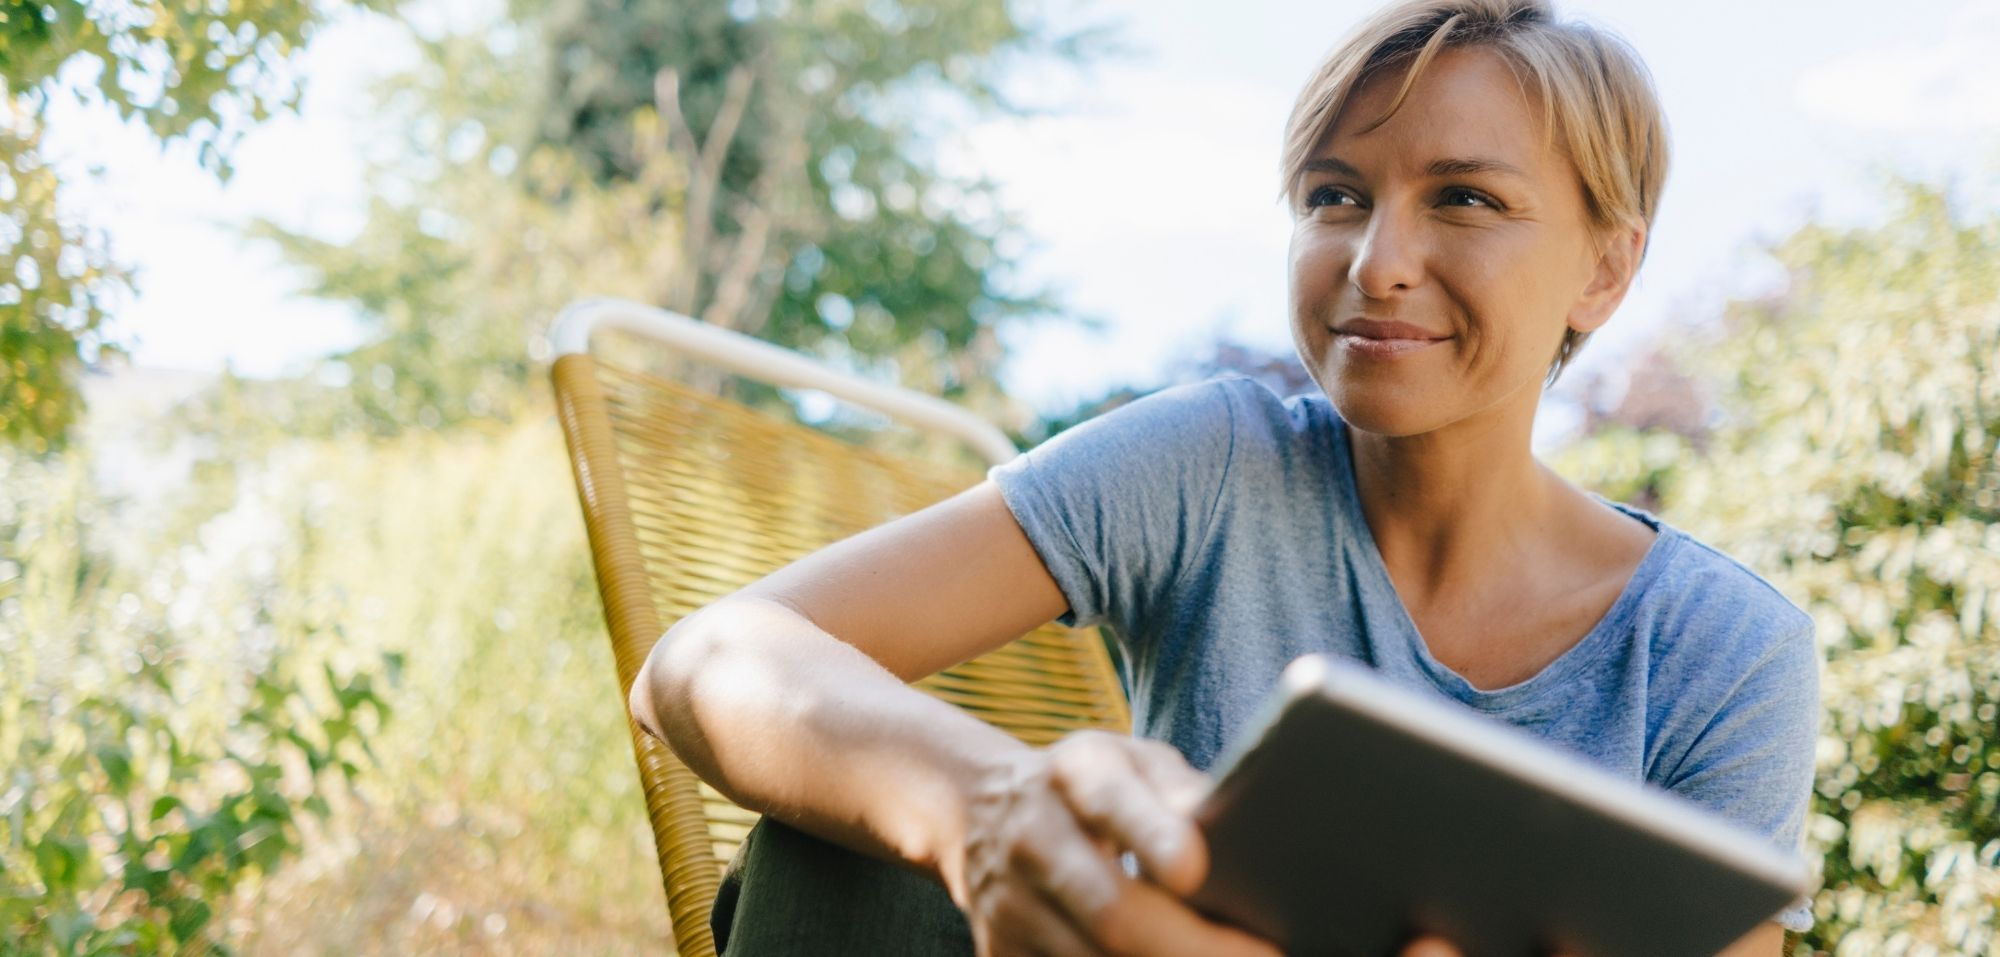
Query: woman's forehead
x=1468 y=106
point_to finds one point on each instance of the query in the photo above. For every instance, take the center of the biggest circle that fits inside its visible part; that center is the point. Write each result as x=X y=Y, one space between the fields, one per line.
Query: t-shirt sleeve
x=1119 y=506
x=1753 y=762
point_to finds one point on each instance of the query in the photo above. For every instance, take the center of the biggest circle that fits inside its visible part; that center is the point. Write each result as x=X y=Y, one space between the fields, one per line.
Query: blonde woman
x=1471 y=184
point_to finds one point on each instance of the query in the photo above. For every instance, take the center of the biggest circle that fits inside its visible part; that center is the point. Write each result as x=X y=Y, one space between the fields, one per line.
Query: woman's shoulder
x=1705 y=598
x=1224 y=410
x=1288 y=412
x=1274 y=425
x=1243 y=396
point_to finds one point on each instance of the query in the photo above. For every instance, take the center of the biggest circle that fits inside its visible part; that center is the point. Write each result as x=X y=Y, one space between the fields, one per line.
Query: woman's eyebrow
x=1467 y=166
x=1452 y=166
x=1329 y=164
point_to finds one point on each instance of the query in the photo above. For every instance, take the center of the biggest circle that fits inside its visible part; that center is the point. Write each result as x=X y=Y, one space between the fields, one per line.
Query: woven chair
x=688 y=497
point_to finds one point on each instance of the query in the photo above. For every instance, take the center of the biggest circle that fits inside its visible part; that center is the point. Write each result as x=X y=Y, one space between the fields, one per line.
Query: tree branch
x=734 y=287
x=704 y=162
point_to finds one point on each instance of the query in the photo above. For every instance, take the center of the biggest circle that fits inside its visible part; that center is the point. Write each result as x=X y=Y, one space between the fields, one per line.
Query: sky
x=1150 y=193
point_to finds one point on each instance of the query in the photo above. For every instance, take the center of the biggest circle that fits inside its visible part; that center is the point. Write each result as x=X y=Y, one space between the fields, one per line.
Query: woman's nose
x=1388 y=257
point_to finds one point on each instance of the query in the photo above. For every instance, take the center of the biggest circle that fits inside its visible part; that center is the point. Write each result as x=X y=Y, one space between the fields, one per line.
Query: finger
x=1178 y=783
x=1152 y=921
x=1431 y=947
x=1053 y=855
x=1182 y=789
x=1104 y=788
x=1117 y=914
x=1027 y=923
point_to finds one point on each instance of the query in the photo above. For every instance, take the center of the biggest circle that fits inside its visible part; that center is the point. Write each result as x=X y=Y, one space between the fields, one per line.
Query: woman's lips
x=1385 y=347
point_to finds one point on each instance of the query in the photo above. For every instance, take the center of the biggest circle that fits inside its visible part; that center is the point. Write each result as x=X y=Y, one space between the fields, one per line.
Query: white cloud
x=1951 y=85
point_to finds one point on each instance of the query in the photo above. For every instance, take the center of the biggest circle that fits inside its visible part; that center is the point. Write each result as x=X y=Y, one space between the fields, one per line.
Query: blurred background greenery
x=314 y=664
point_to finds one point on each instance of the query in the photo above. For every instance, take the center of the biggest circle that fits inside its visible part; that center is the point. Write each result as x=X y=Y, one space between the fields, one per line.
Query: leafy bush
x=149 y=777
x=242 y=611
x=505 y=814
x=1856 y=462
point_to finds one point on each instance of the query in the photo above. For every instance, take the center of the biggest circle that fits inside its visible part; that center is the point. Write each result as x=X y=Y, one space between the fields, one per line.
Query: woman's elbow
x=666 y=677
x=639 y=701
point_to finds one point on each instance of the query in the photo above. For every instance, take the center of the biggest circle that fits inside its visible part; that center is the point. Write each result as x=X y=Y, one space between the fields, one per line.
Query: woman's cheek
x=1317 y=271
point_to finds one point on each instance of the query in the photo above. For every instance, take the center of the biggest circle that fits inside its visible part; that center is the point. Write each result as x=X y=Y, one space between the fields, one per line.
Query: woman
x=1471 y=184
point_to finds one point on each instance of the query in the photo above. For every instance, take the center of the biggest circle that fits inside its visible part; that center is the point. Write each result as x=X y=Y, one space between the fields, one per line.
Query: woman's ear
x=1611 y=275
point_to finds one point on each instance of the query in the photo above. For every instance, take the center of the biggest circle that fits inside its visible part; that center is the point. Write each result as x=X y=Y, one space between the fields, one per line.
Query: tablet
x=1357 y=814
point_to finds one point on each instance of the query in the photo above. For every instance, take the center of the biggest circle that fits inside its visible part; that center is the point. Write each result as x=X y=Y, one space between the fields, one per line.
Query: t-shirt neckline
x=1381 y=591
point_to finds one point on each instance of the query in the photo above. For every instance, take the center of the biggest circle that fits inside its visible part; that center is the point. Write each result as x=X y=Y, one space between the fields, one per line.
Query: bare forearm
x=788 y=720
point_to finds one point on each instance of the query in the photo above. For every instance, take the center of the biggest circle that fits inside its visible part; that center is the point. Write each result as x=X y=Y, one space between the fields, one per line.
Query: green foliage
x=878 y=249
x=147 y=779
x=1637 y=466
x=1857 y=464
x=505 y=815
x=498 y=811
x=200 y=72
x=194 y=70
x=57 y=285
x=461 y=287
x=768 y=173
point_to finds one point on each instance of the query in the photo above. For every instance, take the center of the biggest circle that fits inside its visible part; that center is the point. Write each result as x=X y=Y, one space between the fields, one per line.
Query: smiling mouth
x=1383 y=346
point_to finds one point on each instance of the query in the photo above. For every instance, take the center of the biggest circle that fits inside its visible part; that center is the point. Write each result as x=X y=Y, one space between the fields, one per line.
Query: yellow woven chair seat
x=687 y=498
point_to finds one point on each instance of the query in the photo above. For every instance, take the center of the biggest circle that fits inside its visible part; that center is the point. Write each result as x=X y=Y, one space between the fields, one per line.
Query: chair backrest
x=688 y=497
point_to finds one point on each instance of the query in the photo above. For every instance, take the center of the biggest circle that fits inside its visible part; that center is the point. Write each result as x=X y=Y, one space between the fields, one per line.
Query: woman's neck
x=1449 y=507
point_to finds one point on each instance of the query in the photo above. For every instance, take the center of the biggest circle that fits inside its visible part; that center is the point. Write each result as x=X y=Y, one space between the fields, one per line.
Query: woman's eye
x=1466 y=198
x=1327 y=196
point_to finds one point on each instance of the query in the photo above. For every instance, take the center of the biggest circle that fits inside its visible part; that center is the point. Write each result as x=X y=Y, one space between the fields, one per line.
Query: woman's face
x=1437 y=259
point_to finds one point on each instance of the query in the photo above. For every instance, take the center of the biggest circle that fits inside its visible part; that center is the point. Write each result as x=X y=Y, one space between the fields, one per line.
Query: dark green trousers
x=788 y=893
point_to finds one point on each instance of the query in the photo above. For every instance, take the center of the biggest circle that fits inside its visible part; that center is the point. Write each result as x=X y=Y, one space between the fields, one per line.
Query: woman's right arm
x=785 y=719
x=758 y=695
x=790 y=698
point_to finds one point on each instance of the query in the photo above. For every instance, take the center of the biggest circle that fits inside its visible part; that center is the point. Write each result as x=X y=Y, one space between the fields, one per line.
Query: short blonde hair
x=1597 y=99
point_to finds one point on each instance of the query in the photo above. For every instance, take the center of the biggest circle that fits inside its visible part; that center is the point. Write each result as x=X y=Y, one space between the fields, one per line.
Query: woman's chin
x=1387 y=426
x=1375 y=411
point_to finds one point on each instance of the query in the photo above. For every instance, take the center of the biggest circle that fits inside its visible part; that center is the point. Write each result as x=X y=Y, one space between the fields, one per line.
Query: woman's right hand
x=1043 y=839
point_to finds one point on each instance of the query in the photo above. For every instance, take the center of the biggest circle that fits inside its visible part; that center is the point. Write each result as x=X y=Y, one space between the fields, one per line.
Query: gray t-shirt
x=1215 y=530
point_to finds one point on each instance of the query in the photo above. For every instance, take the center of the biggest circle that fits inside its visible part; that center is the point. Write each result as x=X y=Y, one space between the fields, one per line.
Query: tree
x=773 y=171
x=848 y=82
x=201 y=73
x=57 y=285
